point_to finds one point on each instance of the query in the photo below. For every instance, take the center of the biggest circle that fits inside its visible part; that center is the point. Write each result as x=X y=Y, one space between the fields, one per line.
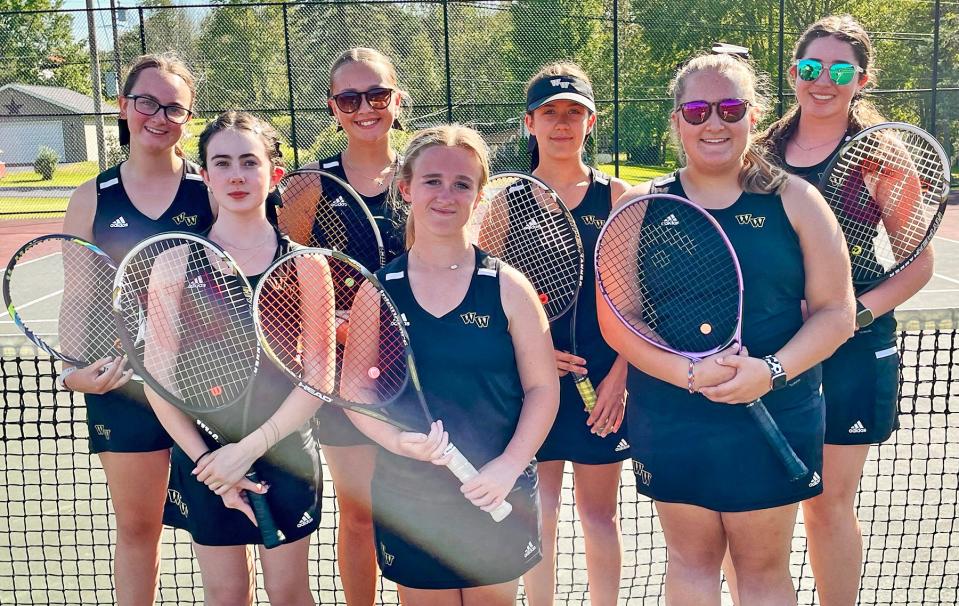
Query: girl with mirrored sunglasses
x=833 y=64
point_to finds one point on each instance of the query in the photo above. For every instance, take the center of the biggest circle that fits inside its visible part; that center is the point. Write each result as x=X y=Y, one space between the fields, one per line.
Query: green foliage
x=116 y=153
x=38 y=45
x=46 y=162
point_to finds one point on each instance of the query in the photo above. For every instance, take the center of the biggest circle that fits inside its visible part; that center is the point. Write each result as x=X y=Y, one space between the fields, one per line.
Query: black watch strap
x=777 y=376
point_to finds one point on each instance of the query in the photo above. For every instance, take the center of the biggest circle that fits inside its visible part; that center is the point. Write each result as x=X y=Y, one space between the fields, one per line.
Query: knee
x=287 y=589
x=228 y=592
x=599 y=518
x=756 y=565
x=355 y=518
x=829 y=510
x=139 y=529
x=698 y=559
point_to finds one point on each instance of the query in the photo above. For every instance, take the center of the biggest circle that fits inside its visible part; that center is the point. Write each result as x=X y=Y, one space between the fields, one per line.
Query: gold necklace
x=382 y=175
x=451 y=267
x=802 y=147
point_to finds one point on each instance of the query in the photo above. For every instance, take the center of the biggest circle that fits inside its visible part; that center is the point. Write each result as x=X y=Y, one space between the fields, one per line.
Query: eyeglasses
x=729 y=110
x=349 y=102
x=148 y=107
x=840 y=73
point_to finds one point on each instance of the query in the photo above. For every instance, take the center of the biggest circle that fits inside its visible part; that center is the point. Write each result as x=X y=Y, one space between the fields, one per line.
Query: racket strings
x=528 y=228
x=60 y=289
x=670 y=275
x=320 y=212
x=301 y=310
x=190 y=311
x=885 y=190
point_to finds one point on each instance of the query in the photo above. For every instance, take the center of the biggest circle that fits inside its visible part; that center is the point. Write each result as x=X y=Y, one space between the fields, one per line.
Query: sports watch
x=777 y=376
x=864 y=315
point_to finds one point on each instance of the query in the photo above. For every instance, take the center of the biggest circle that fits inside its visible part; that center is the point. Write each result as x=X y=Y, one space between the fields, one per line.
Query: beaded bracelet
x=690 y=377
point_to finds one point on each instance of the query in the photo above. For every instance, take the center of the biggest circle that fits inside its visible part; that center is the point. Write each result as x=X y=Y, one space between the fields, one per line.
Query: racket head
x=194 y=344
x=56 y=289
x=319 y=209
x=523 y=222
x=887 y=187
x=670 y=275
x=314 y=305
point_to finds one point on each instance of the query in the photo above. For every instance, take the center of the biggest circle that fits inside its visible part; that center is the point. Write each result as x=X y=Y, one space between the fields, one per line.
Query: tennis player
x=696 y=453
x=241 y=164
x=560 y=115
x=833 y=64
x=155 y=190
x=482 y=347
x=365 y=101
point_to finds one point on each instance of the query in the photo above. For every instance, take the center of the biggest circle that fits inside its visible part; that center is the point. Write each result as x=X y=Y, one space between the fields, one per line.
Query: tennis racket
x=671 y=276
x=887 y=187
x=374 y=362
x=57 y=291
x=522 y=221
x=319 y=209
x=199 y=350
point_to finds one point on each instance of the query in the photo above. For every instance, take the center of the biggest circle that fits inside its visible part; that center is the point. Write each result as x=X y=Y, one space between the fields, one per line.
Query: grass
x=635 y=174
x=66 y=175
x=26 y=206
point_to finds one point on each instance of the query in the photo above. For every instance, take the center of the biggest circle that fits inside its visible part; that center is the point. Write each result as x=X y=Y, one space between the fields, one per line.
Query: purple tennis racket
x=670 y=274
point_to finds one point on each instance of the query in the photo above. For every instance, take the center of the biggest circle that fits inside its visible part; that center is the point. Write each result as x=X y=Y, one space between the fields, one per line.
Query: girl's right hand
x=567 y=363
x=106 y=374
x=425 y=447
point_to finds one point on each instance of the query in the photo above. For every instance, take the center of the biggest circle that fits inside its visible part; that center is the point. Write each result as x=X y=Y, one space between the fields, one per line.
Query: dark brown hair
x=237 y=120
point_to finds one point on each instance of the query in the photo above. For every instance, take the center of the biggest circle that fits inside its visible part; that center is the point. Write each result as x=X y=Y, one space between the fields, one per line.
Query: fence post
x=449 y=68
x=933 y=97
x=289 y=86
x=782 y=41
x=616 y=87
x=143 y=35
x=97 y=83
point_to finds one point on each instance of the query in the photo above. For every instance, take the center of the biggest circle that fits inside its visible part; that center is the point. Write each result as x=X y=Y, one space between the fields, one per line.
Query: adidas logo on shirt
x=670 y=220
x=623 y=445
x=120 y=222
x=815 y=479
x=197 y=282
x=339 y=202
x=306 y=519
x=530 y=550
x=532 y=225
x=857 y=427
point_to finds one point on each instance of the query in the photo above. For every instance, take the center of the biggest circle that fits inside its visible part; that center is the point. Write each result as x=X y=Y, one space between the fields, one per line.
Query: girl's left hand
x=490 y=488
x=751 y=382
x=607 y=416
x=224 y=467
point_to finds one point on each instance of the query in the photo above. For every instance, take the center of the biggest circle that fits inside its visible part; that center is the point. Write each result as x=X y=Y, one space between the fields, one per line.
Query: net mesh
x=56 y=523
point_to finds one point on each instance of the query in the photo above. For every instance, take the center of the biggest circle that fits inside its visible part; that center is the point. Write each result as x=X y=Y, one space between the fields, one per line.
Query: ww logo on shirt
x=476 y=319
x=749 y=219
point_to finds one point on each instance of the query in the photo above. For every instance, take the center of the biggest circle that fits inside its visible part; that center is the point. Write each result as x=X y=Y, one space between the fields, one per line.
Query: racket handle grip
x=586 y=391
x=767 y=425
x=272 y=536
x=465 y=471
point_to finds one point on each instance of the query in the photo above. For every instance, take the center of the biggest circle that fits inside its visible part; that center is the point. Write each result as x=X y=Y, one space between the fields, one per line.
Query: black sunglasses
x=349 y=102
x=729 y=110
x=148 y=107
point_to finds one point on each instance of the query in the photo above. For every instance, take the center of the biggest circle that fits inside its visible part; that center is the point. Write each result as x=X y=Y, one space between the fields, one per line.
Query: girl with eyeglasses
x=365 y=100
x=833 y=64
x=560 y=114
x=155 y=190
x=696 y=450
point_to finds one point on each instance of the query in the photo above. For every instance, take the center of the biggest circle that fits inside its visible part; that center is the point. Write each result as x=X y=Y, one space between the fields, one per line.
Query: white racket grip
x=465 y=471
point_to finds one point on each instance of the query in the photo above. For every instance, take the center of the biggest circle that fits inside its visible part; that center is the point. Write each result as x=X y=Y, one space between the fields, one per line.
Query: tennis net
x=56 y=522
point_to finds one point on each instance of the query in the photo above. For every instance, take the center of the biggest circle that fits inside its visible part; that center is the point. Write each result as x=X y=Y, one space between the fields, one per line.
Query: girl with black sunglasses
x=833 y=64
x=365 y=100
x=696 y=450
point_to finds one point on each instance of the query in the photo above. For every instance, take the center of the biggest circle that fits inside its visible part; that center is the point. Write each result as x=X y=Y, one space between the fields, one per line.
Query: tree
x=39 y=48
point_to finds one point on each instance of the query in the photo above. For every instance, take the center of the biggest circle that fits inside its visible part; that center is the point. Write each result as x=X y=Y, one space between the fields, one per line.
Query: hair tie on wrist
x=200 y=458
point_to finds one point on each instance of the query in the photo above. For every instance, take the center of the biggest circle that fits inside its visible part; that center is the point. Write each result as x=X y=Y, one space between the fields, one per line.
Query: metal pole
x=782 y=58
x=97 y=102
x=143 y=35
x=449 y=75
x=289 y=86
x=933 y=95
x=616 y=87
x=116 y=40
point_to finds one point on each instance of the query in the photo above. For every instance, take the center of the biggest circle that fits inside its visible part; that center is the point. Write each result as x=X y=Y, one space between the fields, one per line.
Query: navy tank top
x=467 y=369
x=118 y=225
x=391 y=232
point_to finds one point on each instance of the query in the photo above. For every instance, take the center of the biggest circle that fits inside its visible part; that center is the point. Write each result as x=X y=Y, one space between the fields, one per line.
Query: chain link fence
x=459 y=60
